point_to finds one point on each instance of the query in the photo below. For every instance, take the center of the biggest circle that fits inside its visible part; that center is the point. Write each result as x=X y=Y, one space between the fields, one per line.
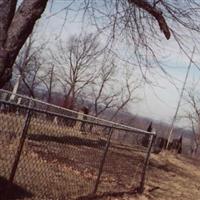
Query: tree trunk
x=5 y=71
x=15 y=27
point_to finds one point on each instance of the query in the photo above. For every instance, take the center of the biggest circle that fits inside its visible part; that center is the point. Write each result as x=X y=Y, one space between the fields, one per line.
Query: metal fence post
x=21 y=144
x=103 y=160
x=143 y=176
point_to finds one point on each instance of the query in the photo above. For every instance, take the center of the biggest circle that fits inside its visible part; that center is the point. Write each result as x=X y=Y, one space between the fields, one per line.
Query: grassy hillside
x=170 y=177
x=60 y=161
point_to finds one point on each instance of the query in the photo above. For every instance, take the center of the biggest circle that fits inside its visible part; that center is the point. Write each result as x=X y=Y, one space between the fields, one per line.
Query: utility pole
x=179 y=102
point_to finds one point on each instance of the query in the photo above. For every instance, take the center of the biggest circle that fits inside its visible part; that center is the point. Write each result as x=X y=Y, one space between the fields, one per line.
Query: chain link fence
x=48 y=152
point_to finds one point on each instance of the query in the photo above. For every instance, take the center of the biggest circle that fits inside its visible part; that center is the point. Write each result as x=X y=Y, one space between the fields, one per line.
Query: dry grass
x=176 y=176
x=12 y=123
x=59 y=162
x=170 y=177
x=50 y=171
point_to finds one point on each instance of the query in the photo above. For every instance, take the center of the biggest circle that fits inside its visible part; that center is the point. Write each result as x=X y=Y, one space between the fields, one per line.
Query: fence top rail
x=110 y=124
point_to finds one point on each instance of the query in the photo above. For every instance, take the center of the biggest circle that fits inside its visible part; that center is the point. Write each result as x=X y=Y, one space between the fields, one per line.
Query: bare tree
x=196 y=136
x=103 y=101
x=135 y=18
x=49 y=80
x=127 y=93
x=29 y=65
x=76 y=61
x=112 y=91
x=193 y=115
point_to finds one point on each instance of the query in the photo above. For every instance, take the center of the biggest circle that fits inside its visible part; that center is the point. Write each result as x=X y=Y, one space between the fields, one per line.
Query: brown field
x=169 y=177
x=60 y=162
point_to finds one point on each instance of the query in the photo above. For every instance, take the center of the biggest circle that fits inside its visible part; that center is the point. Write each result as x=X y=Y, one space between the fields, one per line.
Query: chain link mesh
x=63 y=152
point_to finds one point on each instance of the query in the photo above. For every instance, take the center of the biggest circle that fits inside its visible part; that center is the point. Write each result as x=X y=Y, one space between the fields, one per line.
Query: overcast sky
x=160 y=98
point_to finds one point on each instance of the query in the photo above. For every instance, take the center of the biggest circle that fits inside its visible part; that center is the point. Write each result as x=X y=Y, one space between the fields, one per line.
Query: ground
x=60 y=162
x=170 y=177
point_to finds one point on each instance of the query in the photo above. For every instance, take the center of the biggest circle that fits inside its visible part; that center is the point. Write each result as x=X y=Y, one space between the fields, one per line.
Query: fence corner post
x=143 y=176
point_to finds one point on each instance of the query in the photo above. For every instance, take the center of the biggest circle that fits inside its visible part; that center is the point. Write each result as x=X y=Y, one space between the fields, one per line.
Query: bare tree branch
x=76 y=59
x=152 y=10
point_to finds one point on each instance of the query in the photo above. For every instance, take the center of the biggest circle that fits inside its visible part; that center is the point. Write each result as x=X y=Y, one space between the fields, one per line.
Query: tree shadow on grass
x=72 y=140
x=12 y=191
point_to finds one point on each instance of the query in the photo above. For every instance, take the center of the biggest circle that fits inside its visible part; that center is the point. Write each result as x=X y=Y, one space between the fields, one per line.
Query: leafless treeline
x=79 y=69
x=139 y=22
